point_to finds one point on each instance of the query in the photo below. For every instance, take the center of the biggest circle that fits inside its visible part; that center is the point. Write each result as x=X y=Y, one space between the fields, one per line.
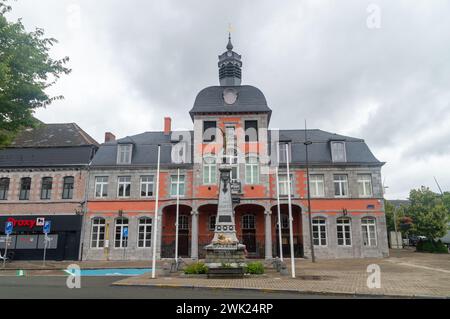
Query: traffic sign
x=47 y=226
x=125 y=232
x=8 y=228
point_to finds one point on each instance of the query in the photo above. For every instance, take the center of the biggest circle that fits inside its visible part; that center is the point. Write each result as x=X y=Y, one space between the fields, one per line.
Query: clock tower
x=230 y=65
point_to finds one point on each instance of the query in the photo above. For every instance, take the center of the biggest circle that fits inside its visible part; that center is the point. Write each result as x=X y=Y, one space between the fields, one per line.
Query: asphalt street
x=100 y=287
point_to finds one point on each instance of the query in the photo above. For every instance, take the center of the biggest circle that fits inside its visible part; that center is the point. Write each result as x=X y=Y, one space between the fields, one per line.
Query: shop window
x=98 y=233
x=46 y=188
x=120 y=241
x=25 y=186
x=369 y=231
x=4 y=188
x=319 y=226
x=68 y=187
x=145 y=232
x=344 y=237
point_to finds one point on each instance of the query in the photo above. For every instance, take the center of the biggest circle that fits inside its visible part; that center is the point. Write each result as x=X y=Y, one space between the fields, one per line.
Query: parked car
x=413 y=239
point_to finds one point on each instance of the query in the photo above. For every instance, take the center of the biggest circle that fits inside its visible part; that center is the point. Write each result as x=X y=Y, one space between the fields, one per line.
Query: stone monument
x=225 y=247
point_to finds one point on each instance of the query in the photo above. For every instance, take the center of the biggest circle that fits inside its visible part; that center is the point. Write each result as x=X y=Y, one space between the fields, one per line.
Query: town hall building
x=347 y=209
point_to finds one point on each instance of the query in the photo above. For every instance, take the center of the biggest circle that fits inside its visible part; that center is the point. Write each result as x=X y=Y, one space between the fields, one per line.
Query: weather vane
x=230 y=28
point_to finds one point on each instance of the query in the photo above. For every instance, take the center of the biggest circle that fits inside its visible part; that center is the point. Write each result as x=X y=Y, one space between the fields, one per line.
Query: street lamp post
x=307 y=143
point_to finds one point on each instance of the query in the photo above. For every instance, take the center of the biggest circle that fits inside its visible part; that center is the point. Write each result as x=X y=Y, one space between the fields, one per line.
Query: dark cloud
x=137 y=61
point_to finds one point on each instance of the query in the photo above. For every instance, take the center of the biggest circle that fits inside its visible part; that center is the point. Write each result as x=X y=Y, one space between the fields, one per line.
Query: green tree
x=430 y=216
x=26 y=71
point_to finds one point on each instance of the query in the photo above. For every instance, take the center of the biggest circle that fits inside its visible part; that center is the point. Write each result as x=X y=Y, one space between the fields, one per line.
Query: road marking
x=419 y=266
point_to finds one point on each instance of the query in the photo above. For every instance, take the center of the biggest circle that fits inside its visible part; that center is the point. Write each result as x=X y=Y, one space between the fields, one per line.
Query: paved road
x=100 y=287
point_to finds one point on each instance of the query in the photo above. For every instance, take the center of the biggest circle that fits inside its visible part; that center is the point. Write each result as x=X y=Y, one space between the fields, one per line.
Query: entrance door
x=183 y=236
x=71 y=246
x=249 y=233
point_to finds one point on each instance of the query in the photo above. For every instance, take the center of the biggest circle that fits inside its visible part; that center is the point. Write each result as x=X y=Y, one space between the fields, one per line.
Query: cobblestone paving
x=406 y=273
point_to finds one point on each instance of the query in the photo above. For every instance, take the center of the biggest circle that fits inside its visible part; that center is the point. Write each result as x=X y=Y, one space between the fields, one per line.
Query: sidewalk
x=405 y=274
x=59 y=265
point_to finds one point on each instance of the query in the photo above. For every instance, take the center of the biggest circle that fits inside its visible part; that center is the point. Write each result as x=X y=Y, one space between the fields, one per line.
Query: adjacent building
x=348 y=217
x=42 y=178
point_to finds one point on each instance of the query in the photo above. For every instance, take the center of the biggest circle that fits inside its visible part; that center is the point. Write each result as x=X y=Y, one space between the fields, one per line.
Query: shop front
x=27 y=239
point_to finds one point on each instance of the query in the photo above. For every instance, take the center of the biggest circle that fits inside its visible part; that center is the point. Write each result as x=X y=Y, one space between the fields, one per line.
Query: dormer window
x=124 y=153
x=338 y=153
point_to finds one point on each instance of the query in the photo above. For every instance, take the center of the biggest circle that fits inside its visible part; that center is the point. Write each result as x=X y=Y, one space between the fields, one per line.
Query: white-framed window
x=174 y=183
x=369 y=231
x=98 y=232
x=147 y=186
x=281 y=152
x=144 y=232
x=283 y=184
x=340 y=185
x=252 y=169
x=231 y=151
x=4 y=188
x=212 y=222
x=124 y=186
x=183 y=222
x=344 y=231
x=121 y=241
x=319 y=227
x=248 y=222
x=124 y=152
x=284 y=221
x=101 y=186
x=209 y=170
x=338 y=153
x=365 y=185
x=317 y=185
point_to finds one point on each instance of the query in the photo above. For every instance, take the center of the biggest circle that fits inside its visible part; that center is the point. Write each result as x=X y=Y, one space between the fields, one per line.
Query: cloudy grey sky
x=136 y=61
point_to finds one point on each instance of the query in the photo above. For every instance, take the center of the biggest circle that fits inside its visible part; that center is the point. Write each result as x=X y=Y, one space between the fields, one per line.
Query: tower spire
x=230 y=65
x=229 y=45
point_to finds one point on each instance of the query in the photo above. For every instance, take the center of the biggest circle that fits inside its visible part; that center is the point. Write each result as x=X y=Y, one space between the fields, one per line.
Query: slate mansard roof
x=49 y=145
x=145 y=148
x=249 y=99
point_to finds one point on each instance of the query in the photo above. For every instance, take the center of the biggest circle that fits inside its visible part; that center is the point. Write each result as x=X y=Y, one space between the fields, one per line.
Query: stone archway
x=297 y=225
x=207 y=214
x=250 y=228
x=168 y=235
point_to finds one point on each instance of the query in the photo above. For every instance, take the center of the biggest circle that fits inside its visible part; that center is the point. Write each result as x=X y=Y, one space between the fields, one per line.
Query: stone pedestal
x=218 y=255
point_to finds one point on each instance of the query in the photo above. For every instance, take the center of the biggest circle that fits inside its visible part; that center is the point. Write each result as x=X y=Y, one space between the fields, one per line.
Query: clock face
x=229 y=54
x=229 y=96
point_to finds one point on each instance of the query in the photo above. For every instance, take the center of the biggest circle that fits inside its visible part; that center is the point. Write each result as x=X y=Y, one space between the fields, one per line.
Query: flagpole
x=177 y=215
x=291 y=233
x=279 y=215
x=155 y=226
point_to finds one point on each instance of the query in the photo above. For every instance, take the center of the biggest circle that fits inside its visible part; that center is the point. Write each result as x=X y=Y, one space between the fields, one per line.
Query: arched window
x=209 y=169
x=344 y=230
x=98 y=232
x=4 y=188
x=121 y=233
x=251 y=169
x=319 y=227
x=145 y=232
x=68 y=187
x=369 y=231
x=248 y=222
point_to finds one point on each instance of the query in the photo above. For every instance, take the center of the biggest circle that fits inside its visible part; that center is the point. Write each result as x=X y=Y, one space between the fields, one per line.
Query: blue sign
x=47 y=226
x=8 y=228
x=125 y=232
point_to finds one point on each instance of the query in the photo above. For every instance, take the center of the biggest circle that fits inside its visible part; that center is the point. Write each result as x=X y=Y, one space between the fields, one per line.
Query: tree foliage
x=428 y=212
x=26 y=71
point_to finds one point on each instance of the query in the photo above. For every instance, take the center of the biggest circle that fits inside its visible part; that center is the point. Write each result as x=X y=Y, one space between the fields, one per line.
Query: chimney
x=109 y=137
x=167 y=125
